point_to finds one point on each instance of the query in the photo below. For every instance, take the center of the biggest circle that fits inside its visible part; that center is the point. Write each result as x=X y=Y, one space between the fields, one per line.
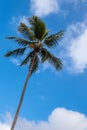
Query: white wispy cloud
x=46 y=66
x=6 y=121
x=59 y=119
x=73 y=1
x=15 y=21
x=44 y=7
x=76 y=47
x=15 y=61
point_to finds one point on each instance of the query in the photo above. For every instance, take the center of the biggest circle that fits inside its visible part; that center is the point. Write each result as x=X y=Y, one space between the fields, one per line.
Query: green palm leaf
x=38 y=27
x=21 y=41
x=45 y=34
x=16 y=52
x=27 y=33
x=27 y=58
x=47 y=56
x=52 y=40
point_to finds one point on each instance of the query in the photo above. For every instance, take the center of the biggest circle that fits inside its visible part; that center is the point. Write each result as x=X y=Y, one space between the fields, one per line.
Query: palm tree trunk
x=22 y=96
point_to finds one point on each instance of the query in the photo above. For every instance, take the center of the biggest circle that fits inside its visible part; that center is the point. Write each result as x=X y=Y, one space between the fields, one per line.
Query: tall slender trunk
x=22 y=96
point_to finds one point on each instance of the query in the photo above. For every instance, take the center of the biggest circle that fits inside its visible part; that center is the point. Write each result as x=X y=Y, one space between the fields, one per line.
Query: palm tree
x=35 y=43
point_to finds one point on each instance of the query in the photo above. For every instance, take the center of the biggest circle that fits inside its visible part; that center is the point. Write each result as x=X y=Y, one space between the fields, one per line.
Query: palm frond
x=27 y=58
x=27 y=33
x=35 y=64
x=47 y=56
x=52 y=40
x=45 y=34
x=20 y=41
x=38 y=27
x=16 y=52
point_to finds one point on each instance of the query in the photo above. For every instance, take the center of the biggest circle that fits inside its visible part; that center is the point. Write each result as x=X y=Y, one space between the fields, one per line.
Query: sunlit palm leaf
x=27 y=33
x=16 y=52
x=45 y=34
x=38 y=27
x=47 y=56
x=52 y=40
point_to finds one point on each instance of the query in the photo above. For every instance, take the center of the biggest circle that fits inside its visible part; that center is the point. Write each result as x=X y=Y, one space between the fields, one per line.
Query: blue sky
x=51 y=97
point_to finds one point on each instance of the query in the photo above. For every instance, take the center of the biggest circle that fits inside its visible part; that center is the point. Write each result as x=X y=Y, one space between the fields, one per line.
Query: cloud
x=73 y=1
x=78 y=52
x=59 y=119
x=6 y=121
x=18 y=20
x=64 y=119
x=76 y=47
x=15 y=21
x=15 y=61
x=46 y=66
x=44 y=7
x=4 y=126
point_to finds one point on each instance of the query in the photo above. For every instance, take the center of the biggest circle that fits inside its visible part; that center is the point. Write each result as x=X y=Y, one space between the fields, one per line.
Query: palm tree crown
x=36 y=40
